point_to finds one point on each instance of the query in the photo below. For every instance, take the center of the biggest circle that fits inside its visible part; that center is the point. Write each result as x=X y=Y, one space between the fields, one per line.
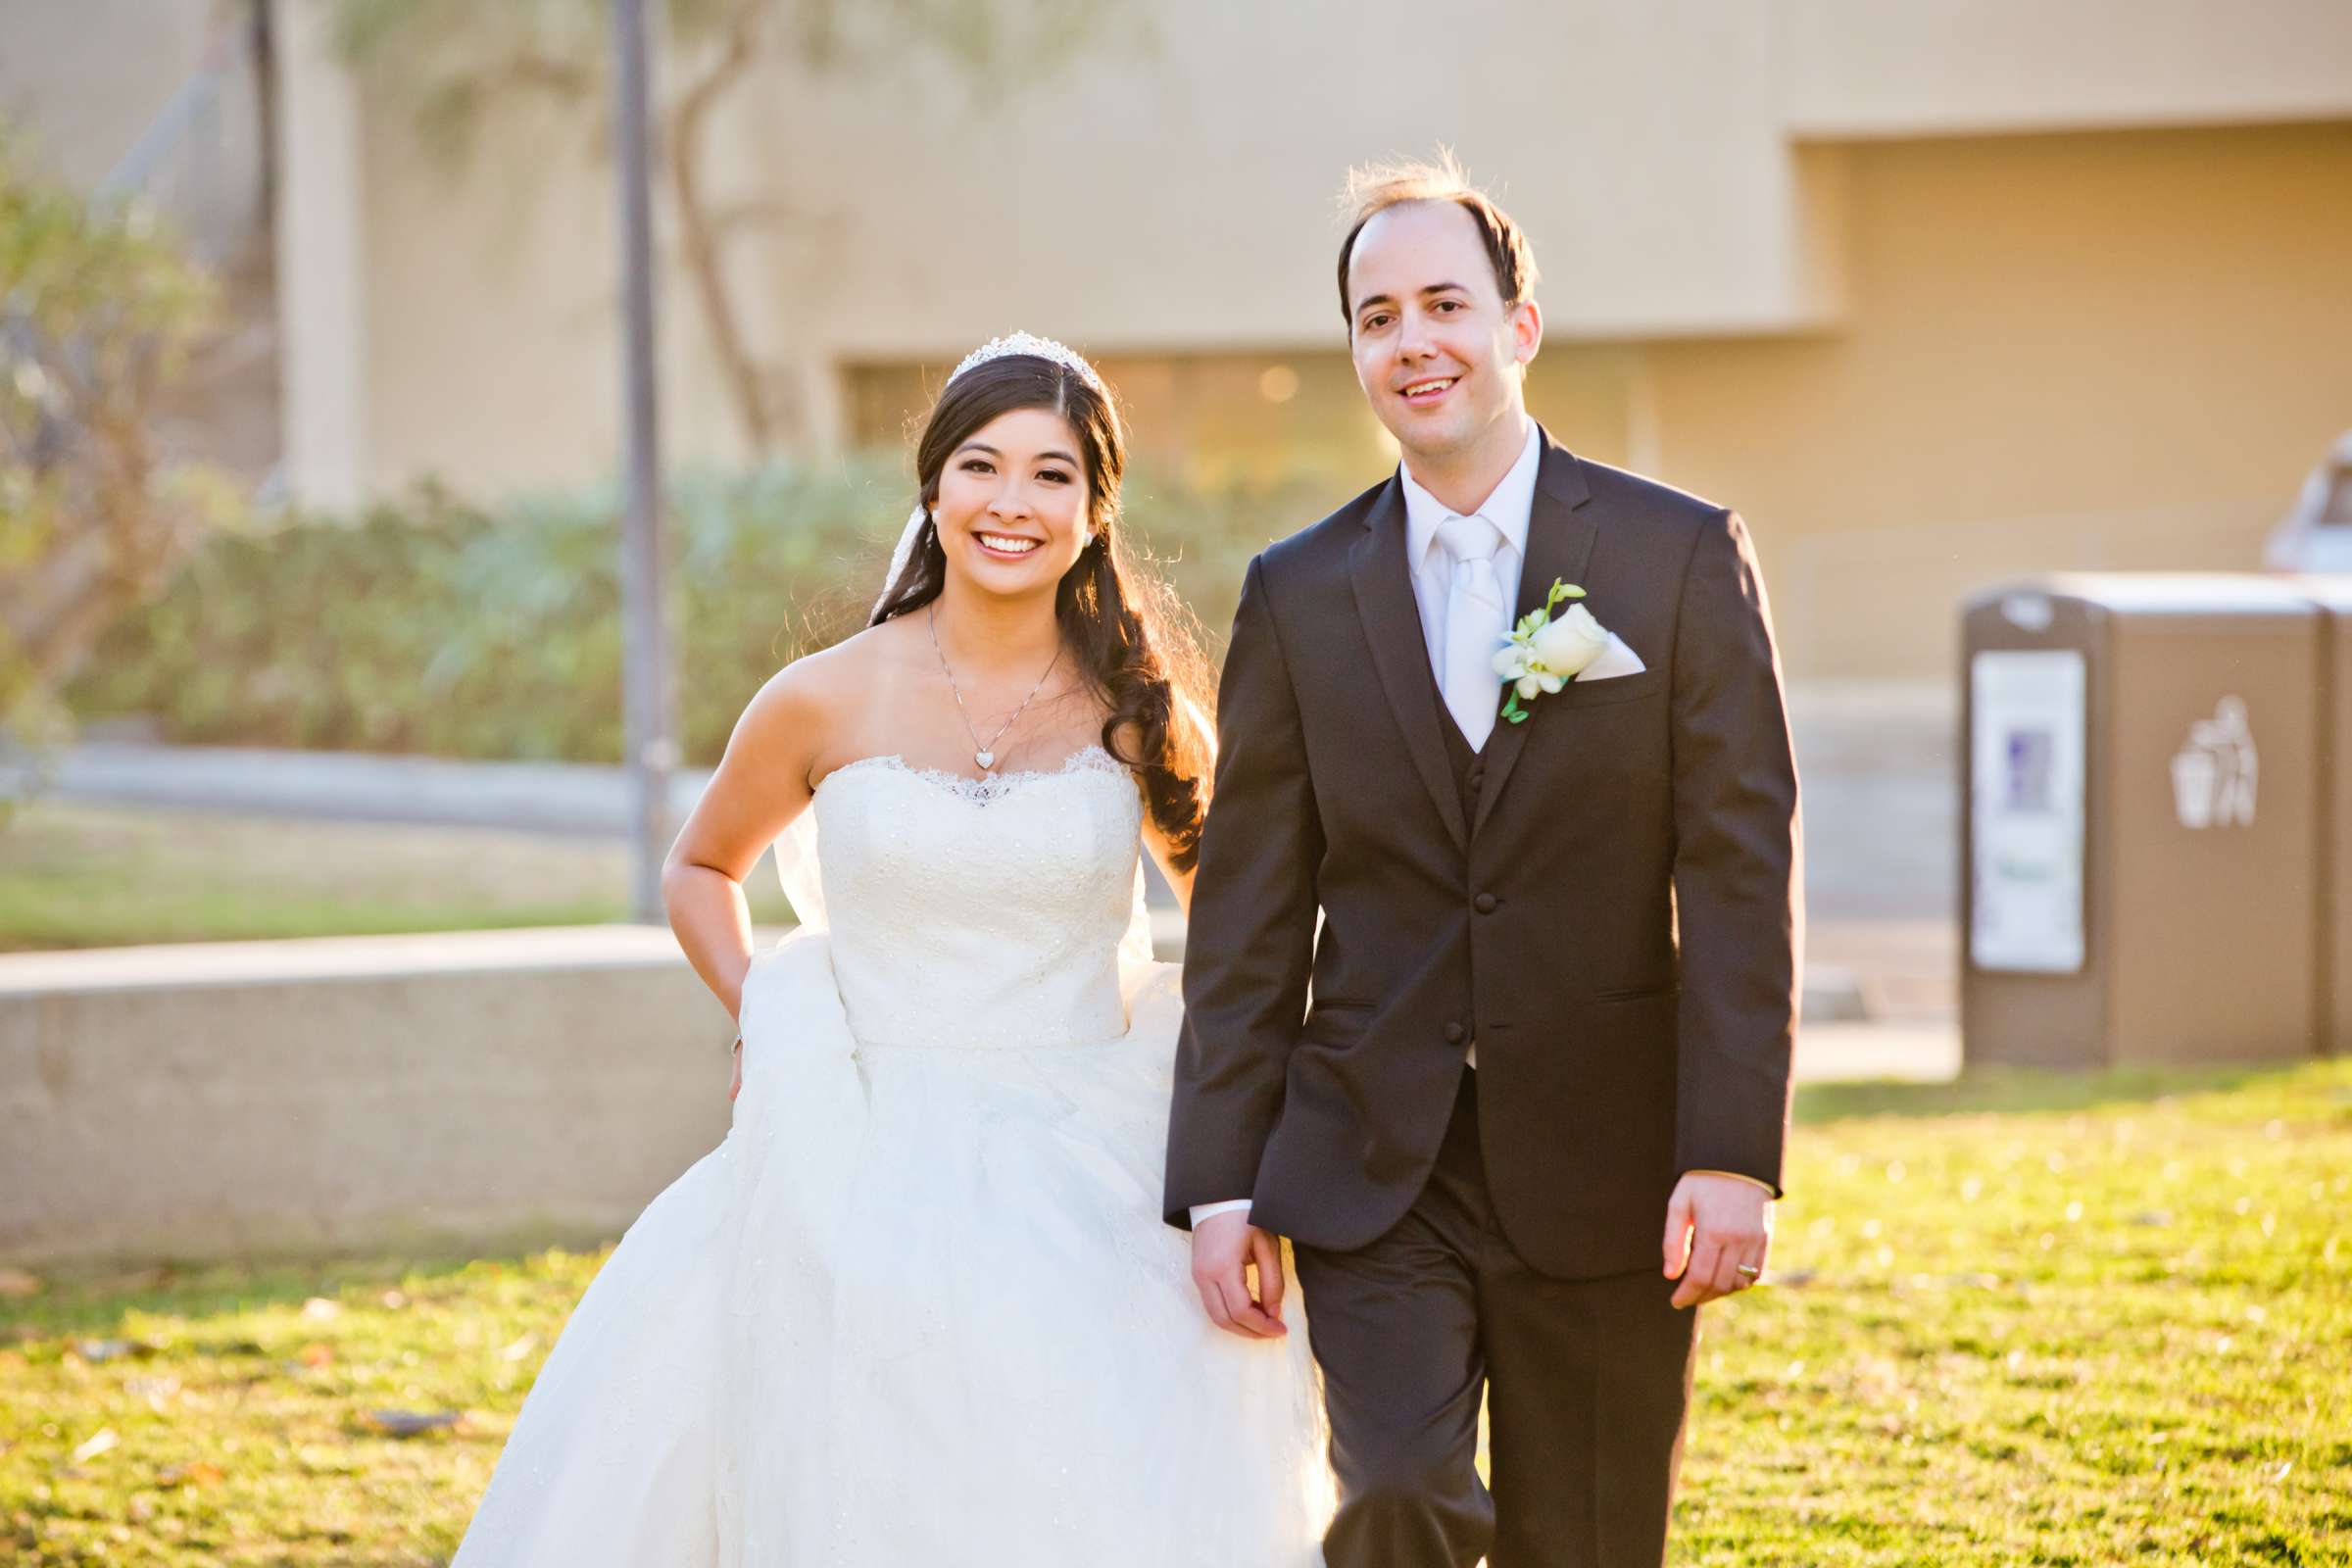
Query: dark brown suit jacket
x=1614 y=920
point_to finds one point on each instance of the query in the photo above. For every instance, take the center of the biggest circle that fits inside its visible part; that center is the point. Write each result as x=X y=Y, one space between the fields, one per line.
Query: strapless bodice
x=985 y=914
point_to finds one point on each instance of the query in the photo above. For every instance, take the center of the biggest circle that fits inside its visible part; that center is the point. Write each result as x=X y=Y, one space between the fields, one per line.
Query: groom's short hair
x=1374 y=188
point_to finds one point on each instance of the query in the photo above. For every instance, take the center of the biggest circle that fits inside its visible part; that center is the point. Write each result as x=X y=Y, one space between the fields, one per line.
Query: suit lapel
x=1559 y=546
x=1384 y=598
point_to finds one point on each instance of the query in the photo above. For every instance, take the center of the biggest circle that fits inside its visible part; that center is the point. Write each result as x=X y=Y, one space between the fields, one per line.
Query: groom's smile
x=1429 y=390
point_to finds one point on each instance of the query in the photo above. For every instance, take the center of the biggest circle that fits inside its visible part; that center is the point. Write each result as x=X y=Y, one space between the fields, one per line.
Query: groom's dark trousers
x=1603 y=898
x=1587 y=1378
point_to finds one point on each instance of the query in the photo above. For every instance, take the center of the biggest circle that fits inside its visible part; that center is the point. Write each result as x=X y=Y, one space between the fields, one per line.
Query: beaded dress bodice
x=981 y=914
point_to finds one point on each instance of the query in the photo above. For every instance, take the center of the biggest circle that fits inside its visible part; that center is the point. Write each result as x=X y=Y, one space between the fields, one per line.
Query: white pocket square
x=1613 y=661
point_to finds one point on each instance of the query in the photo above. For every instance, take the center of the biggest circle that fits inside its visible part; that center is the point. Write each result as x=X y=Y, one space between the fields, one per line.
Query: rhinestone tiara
x=1029 y=343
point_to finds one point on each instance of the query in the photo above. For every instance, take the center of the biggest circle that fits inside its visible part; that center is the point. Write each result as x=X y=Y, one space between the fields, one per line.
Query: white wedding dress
x=919 y=1307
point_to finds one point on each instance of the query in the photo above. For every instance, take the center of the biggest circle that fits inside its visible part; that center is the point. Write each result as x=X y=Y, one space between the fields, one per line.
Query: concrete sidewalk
x=565 y=797
x=1877 y=761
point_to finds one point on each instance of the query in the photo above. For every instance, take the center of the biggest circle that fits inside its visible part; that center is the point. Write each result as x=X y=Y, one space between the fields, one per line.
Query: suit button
x=1455 y=1034
x=1483 y=904
x=1477 y=781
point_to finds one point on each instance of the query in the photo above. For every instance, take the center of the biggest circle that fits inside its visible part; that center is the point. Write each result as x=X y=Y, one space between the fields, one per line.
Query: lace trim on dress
x=1085 y=759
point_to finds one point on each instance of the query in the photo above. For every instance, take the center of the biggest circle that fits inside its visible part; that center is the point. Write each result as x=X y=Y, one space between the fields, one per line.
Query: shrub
x=431 y=625
x=99 y=311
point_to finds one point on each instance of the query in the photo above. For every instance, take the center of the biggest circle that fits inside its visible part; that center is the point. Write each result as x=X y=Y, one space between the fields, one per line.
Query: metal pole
x=652 y=752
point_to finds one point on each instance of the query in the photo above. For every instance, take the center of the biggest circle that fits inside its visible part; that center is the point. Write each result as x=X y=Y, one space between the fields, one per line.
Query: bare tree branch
x=700 y=237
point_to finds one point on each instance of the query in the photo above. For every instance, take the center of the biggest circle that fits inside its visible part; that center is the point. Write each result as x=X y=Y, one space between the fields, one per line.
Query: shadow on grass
x=2014 y=1091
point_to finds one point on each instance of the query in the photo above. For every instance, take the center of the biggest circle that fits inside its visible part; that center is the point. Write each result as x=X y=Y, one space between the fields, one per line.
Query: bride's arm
x=760 y=786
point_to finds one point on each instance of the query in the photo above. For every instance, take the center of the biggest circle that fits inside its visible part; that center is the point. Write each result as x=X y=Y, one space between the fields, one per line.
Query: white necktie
x=1474 y=627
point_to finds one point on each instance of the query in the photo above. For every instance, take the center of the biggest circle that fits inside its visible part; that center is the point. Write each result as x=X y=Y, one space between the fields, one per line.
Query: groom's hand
x=1226 y=1248
x=1714 y=1224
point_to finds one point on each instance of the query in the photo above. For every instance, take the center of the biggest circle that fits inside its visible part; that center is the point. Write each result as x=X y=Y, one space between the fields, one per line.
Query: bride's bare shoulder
x=813 y=698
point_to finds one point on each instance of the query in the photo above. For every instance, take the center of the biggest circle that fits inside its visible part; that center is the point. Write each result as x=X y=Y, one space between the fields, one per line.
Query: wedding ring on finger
x=1748 y=1274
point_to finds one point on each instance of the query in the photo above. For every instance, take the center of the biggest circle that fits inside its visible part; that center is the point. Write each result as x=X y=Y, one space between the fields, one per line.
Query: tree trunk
x=698 y=231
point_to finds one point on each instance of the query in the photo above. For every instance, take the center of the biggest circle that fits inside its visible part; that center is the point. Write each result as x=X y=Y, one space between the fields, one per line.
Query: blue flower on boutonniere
x=1545 y=654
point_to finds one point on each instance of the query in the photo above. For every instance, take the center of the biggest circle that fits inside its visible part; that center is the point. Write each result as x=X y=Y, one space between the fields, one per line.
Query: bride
x=921 y=1307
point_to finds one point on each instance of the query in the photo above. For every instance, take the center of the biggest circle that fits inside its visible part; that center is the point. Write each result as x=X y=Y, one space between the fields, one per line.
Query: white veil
x=796 y=849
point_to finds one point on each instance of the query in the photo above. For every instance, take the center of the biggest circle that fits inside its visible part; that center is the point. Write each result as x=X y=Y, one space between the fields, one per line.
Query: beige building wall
x=1843 y=266
x=490 y=307
x=1881 y=68
x=2103 y=350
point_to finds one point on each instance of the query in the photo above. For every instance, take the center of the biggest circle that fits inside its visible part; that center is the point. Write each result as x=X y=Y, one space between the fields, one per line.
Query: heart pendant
x=986 y=760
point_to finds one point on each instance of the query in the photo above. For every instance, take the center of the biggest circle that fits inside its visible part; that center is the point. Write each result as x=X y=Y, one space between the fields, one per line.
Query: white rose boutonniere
x=1545 y=652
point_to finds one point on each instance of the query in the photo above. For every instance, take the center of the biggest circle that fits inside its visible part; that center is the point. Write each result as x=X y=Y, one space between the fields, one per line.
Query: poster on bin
x=2026 y=800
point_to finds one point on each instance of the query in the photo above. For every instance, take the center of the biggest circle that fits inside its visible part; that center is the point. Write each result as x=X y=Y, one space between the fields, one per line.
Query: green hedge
x=429 y=625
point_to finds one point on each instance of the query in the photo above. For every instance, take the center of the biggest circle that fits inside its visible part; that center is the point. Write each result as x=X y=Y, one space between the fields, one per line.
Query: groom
x=1537 y=1054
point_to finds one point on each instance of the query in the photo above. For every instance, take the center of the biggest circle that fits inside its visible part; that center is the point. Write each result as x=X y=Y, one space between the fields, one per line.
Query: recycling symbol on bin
x=2214 y=774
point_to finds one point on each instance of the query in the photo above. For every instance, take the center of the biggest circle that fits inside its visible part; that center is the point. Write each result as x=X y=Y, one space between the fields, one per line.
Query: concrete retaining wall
x=229 y=1100
x=475 y=1090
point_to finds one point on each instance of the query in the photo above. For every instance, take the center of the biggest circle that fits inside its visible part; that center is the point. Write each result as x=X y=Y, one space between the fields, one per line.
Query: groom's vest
x=1469 y=772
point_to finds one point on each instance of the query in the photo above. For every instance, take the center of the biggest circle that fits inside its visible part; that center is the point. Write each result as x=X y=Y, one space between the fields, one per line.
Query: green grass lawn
x=74 y=875
x=2020 y=1320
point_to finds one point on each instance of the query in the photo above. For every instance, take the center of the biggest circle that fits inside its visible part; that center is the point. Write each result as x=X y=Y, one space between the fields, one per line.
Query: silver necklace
x=983 y=752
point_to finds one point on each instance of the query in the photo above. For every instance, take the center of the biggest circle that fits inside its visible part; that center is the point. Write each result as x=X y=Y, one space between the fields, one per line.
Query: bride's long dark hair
x=1131 y=638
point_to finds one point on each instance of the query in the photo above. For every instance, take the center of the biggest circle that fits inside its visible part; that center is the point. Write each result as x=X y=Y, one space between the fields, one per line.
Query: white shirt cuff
x=1202 y=1211
x=1736 y=1175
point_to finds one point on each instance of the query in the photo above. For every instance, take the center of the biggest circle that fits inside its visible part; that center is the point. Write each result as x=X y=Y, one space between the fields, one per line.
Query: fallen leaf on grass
x=97 y=1442
x=410 y=1423
x=320 y=1309
x=189 y=1475
x=519 y=1348
x=15 y=1282
x=316 y=1354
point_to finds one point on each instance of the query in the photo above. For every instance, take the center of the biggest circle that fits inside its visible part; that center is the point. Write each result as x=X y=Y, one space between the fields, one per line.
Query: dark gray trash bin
x=2140 y=820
